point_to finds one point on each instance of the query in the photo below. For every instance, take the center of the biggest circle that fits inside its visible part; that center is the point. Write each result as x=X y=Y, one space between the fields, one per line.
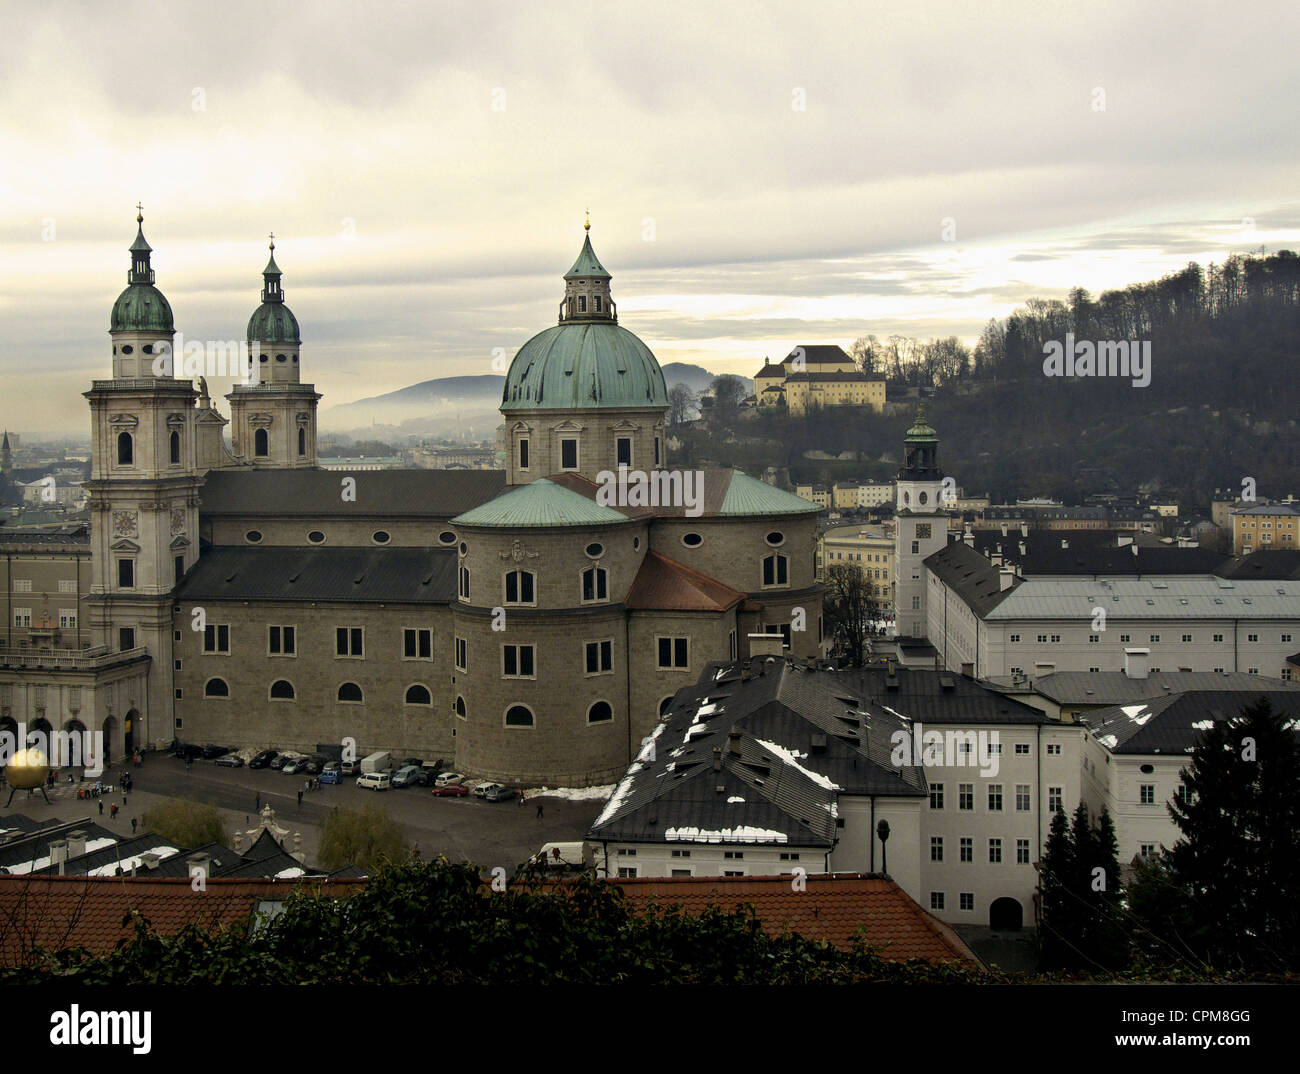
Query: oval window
x=279 y=357
x=692 y=540
x=380 y=537
x=464 y=548
x=253 y=536
x=266 y=358
x=636 y=544
x=147 y=348
x=775 y=538
x=295 y=358
x=128 y=349
x=907 y=498
x=1147 y=769
x=447 y=537
x=595 y=550
x=316 y=537
x=922 y=498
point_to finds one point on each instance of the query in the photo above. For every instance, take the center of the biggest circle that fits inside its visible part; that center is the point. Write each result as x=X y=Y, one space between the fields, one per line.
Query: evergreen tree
x=1057 y=925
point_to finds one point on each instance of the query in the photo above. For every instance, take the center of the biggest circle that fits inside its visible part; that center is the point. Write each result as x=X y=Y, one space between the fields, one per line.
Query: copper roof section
x=664 y=585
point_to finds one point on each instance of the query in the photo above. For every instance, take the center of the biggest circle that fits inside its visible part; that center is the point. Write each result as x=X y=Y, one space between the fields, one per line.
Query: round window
x=692 y=540
x=279 y=357
x=447 y=537
x=775 y=538
x=266 y=357
x=316 y=537
x=380 y=537
x=1147 y=769
x=595 y=550
x=147 y=348
x=253 y=536
x=128 y=349
x=922 y=498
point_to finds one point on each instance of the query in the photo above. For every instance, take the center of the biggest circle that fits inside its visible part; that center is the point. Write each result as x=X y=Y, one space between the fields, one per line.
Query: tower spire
x=140 y=272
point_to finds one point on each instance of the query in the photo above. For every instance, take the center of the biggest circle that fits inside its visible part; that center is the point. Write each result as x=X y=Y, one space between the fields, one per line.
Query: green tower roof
x=537 y=504
x=921 y=429
x=587 y=264
x=141 y=307
x=580 y=366
x=749 y=496
x=272 y=321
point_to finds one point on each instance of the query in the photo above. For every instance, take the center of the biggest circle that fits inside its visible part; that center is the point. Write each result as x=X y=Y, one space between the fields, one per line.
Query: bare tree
x=728 y=391
x=681 y=401
x=849 y=609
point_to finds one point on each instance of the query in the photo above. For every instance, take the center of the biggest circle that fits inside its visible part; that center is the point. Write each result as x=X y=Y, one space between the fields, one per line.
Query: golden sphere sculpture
x=27 y=770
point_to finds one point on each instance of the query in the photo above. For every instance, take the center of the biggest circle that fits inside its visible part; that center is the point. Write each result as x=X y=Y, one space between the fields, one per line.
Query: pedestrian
x=257 y=803
x=300 y=799
x=134 y=821
x=539 y=810
x=521 y=797
x=112 y=812
x=101 y=807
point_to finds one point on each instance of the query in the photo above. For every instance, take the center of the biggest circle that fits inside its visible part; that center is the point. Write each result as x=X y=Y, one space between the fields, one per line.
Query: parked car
x=377 y=781
x=406 y=776
x=480 y=789
x=331 y=775
x=413 y=762
x=294 y=764
x=455 y=789
x=230 y=760
x=263 y=759
x=311 y=765
x=210 y=753
x=447 y=777
x=350 y=768
x=498 y=792
x=280 y=760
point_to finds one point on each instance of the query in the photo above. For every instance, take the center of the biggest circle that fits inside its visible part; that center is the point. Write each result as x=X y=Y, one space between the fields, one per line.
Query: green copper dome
x=141 y=308
x=272 y=321
x=921 y=429
x=581 y=366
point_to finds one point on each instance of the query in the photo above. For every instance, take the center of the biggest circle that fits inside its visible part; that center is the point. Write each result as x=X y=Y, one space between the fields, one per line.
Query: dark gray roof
x=972 y=576
x=930 y=696
x=434 y=494
x=1174 y=724
x=394 y=575
x=1116 y=688
x=1274 y=564
x=36 y=843
x=1093 y=552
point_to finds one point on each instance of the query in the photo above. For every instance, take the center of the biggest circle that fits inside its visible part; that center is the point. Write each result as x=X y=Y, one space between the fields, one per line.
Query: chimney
x=1024 y=529
x=1006 y=577
x=891 y=666
x=1137 y=663
x=733 y=742
x=997 y=557
x=59 y=853
x=150 y=860
x=1065 y=543
x=1023 y=549
x=196 y=865
x=717 y=758
x=76 y=844
x=967 y=670
x=1004 y=529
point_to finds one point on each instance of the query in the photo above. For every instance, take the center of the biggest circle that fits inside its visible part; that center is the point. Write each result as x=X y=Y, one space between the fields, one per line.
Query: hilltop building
x=815 y=376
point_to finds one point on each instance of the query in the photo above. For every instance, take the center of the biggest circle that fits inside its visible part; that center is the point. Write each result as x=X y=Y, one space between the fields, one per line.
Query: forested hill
x=1222 y=403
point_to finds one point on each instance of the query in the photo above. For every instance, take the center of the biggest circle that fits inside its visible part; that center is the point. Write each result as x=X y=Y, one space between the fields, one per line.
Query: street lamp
x=882 y=830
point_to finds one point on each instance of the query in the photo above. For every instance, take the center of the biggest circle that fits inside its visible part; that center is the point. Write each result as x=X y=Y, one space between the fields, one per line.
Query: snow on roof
x=625 y=785
x=791 y=758
x=742 y=834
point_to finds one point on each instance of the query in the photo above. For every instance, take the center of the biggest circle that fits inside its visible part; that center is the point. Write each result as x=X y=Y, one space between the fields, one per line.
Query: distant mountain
x=696 y=377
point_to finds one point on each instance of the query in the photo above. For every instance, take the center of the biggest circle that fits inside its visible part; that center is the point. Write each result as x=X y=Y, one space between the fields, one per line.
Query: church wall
x=709 y=640
x=597 y=433
x=733 y=550
x=339 y=532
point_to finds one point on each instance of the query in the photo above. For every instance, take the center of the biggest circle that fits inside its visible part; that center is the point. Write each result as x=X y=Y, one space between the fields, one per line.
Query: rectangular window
x=624 y=449
x=936 y=848
x=22 y=617
x=1187 y=637
x=1022 y=798
x=1022 y=749
x=995 y=851
x=1252 y=637
x=462 y=654
x=1125 y=638
x=66 y=585
x=674 y=653
x=517 y=661
x=966 y=848
x=731 y=640
x=1055 y=799
x=125 y=574
x=936 y=900
x=967 y=900
x=1147 y=793
x=523 y=453
x=417 y=643
x=600 y=657
x=568 y=454
x=179 y=568
x=1155 y=639
x=995 y=797
x=67 y=618
x=1022 y=851
x=282 y=640
x=936 y=795
x=462 y=583
x=126 y=638
x=966 y=796
x=216 y=638
x=1094 y=639
x=22 y=585
x=348 y=641
x=1053 y=749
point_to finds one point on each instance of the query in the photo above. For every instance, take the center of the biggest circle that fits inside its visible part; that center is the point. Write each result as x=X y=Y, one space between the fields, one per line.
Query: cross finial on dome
x=272 y=237
x=139 y=213
x=587 y=225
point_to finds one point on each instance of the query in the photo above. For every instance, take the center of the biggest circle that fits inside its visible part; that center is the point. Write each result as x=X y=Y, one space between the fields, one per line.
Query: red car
x=451 y=790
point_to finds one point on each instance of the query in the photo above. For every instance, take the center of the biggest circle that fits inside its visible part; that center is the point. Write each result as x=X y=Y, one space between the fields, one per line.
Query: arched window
x=175 y=439
x=350 y=691
x=519 y=716
x=520 y=588
x=261 y=443
x=600 y=712
x=282 y=690
x=776 y=570
x=302 y=441
x=462 y=586
x=595 y=584
x=418 y=694
x=125 y=449
x=216 y=688
x=665 y=705
x=460 y=708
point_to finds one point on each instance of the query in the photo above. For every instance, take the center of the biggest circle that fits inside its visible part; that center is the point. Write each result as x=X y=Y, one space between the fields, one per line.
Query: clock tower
x=921 y=524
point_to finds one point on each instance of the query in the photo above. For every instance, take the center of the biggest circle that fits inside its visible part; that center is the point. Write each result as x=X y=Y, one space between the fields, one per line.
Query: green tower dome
x=921 y=430
x=587 y=360
x=141 y=307
x=272 y=321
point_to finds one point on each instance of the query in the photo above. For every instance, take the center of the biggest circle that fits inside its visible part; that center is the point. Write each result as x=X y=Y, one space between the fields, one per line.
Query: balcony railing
x=67 y=659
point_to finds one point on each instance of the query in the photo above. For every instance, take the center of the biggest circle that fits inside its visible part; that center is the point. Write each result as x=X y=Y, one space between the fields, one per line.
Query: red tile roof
x=663 y=584
x=56 y=912
x=831 y=908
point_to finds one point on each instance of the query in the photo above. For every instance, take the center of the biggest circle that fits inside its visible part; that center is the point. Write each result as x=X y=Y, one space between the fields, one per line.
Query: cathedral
x=529 y=624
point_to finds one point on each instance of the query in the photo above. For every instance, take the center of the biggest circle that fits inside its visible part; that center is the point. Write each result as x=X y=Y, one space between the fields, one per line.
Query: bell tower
x=143 y=487
x=273 y=414
x=921 y=523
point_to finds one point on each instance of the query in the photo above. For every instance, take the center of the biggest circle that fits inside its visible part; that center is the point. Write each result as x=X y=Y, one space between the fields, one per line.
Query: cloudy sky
x=759 y=175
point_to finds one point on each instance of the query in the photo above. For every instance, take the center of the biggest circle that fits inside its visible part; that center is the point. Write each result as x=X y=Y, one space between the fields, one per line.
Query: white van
x=378 y=781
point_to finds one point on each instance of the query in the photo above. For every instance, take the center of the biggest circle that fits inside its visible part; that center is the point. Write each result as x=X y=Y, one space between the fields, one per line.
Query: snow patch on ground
x=574 y=794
